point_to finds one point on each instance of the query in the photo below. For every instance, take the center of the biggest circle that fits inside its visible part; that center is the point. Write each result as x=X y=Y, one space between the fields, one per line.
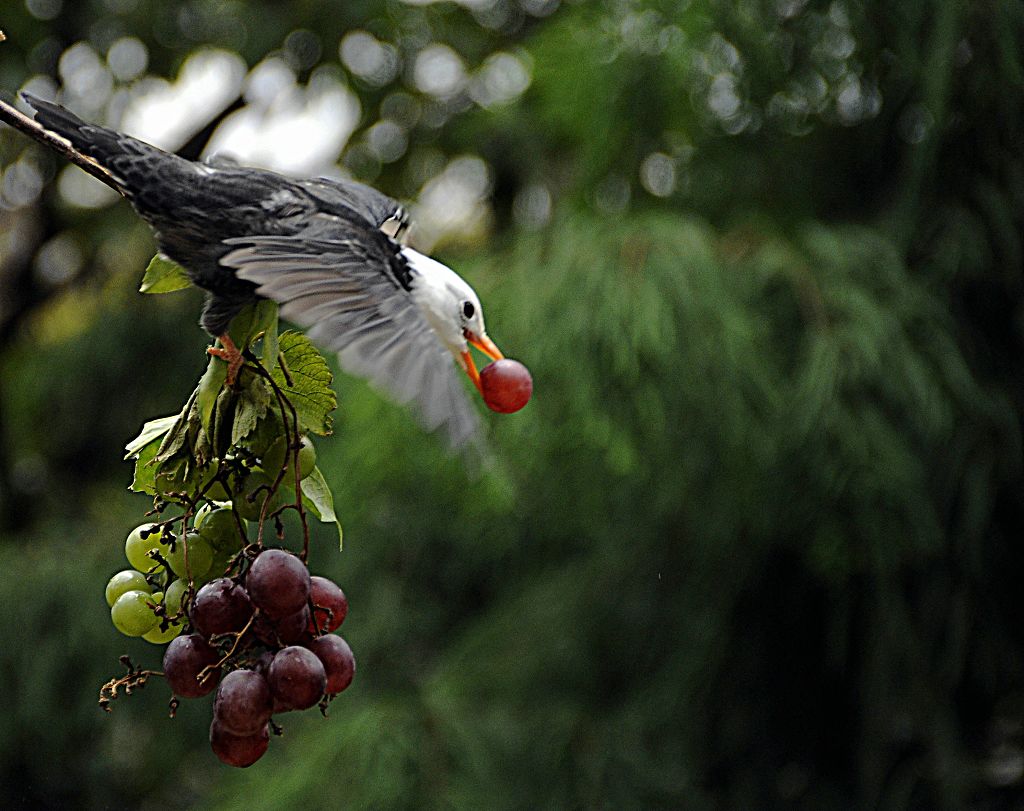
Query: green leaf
x=253 y=402
x=209 y=387
x=164 y=276
x=316 y=494
x=305 y=379
x=172 y=477
x=144 y=480
x=254 y=320
x=271 y=346
x=177 y=436
x=150 y=431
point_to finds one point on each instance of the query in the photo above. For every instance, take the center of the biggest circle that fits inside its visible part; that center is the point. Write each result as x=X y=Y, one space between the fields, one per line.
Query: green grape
x=221 y=559
x=137 y=547
x=250 y=509
x=132 y=613
x=274 y=459
x=307 y=457
x=201 y=515
x=158 y=637
x=128 y=580
x=174 y=595
x=220 y=530
x=200 y=556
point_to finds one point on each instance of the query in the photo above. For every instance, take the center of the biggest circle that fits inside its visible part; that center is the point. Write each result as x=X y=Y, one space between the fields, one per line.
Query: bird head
x=452 y=309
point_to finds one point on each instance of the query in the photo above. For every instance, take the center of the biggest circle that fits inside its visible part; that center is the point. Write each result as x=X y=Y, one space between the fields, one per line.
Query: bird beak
x=485 y=345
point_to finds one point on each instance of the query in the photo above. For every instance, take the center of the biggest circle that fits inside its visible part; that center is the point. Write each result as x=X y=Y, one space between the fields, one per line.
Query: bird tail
x=128 y=161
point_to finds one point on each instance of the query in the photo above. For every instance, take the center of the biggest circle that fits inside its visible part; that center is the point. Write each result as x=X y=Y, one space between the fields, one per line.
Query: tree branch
x=37 y=132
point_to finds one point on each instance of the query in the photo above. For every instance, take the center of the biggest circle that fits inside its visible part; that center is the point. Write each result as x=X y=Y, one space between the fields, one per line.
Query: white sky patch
x=439 y=71
x=84 y=191
x=127 y=58
x=167 y=115
x=387 y=140
x=453 y=205
x=368 y=58
x=268 y=80
x=87 y=83
x=658 y=174
x=502 y=78
x=287 y=128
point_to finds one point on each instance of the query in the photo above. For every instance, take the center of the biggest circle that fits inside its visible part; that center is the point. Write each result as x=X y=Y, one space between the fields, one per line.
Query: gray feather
x=341 y=286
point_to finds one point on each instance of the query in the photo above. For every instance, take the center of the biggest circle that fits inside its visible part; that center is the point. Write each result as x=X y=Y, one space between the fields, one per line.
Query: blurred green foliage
x=757 y=541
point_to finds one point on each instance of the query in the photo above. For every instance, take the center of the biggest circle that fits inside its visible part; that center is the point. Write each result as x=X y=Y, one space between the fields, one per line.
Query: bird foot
x=228 y=353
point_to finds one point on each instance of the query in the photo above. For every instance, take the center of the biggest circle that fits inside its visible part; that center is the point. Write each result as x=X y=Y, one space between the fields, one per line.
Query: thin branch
x=37 y=132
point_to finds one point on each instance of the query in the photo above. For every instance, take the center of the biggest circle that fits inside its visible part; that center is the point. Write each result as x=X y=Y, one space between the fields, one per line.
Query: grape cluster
x=282 y=619
x=250 y=623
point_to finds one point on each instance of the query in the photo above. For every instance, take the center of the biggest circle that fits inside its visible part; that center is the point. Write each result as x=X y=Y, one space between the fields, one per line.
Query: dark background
x=757 y=541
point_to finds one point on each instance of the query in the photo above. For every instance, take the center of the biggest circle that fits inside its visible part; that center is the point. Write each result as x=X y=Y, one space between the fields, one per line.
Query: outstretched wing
x=342 y=283
x=365 y=201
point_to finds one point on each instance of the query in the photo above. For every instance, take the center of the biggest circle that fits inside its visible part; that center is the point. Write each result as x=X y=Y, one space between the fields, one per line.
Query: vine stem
x=133 y=679
x=292 y=441
x=204 y=674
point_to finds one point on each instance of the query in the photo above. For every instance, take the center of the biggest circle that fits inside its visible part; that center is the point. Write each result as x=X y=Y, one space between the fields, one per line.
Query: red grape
x=184 y=659
x=242 y=705
x=506 y=385
x=295 y=628
x=291 y=630
x=297 y=679
x=278 y=583
x=330 y=604
x=338 y=661
x=262 y=664
x=221 y=606
x=238 y=750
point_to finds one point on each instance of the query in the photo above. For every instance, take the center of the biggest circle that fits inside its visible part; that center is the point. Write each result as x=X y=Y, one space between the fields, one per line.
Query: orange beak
x=485 y=345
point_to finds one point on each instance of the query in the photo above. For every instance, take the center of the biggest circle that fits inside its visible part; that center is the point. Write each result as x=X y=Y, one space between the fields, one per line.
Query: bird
x=330 y=253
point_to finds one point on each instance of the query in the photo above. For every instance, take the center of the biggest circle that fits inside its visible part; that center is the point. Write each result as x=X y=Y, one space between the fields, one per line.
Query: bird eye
x=468 y=309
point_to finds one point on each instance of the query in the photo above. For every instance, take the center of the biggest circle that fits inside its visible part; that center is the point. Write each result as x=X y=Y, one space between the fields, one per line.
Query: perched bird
x=328 y=252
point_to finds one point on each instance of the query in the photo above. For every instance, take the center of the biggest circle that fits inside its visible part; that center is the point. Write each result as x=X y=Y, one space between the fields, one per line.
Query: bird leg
x=227 y=352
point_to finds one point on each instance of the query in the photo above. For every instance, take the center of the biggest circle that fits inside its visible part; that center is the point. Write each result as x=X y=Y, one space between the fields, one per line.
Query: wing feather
x=339 y=282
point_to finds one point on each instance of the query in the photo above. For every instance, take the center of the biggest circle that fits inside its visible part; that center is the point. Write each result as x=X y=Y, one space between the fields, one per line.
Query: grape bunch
x=282 y=620
x=145 y=600
x=248 y=622
x=238 y=617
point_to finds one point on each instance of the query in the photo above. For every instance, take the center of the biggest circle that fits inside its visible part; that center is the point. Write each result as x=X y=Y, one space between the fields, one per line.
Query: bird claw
x=228 y=353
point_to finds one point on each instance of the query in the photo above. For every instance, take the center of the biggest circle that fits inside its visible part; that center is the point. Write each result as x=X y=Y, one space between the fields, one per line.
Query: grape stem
x=293 y=443
x=134 y=679
x=206 y=671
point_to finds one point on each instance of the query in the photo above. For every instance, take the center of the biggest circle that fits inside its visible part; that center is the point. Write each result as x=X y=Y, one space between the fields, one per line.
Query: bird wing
x=341 y=283
x=365 y=201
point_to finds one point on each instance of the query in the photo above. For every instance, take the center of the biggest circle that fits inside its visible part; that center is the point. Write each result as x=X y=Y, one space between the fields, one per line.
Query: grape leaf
x=163 y=276
x=316 y=494
x=254 y=320
x=177 y=436
x=150 y=431
x=145 y=471
x=209 y=387
x=271 y=346
x=253 y=402
x=305 y=379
